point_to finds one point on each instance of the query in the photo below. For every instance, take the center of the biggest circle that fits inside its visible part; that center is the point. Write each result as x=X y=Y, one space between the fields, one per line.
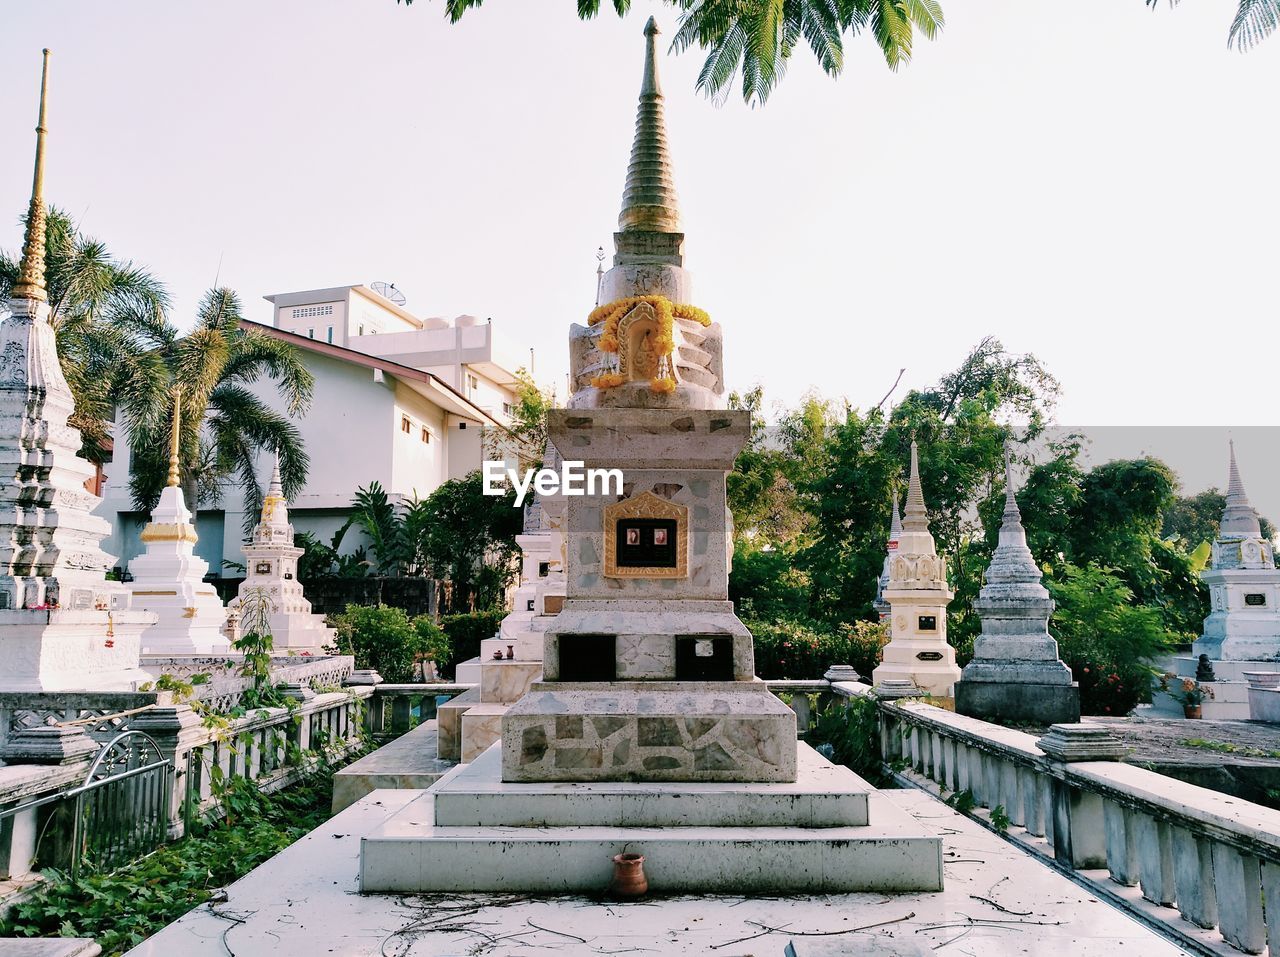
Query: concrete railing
x=395 y=708
x=1198 y=865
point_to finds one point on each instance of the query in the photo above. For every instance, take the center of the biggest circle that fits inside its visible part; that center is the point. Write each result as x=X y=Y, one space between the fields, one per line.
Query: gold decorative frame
x=645 y=505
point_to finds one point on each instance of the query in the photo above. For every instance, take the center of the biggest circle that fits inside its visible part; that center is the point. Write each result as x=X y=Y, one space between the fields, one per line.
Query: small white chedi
x=63 y=626
x=271 y=579
x=891 y=548
x=168 y=578
x=1244 y=585
x=917 y=594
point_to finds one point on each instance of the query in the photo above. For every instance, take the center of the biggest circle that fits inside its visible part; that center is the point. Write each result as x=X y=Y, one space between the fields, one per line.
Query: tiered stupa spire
x=52 y=566
x=891 y=548
x=31 y=280
x=649 y=202
x=1015 y=673
x=1239 y=520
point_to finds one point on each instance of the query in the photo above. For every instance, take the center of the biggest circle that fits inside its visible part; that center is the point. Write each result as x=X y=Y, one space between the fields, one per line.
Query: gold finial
x=174 y=477
x=649 y=201
x=30 y=284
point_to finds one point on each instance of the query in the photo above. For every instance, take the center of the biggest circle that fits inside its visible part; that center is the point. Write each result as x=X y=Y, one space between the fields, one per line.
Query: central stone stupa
x=649 y=733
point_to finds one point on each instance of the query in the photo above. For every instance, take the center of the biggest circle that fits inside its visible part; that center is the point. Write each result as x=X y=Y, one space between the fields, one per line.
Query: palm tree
x=119 y=351
x=224 y=423
x=107 y=313
x=755 y=38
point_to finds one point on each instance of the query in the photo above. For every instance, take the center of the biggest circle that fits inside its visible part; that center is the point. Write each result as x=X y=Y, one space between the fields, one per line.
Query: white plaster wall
x=417 y=467
x=287 y=320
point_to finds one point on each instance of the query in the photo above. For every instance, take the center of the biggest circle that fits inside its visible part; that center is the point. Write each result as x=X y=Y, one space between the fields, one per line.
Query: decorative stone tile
x=533 y=745
x=607 y=726
x=622 y=754
x=713 y=758
x=697 y=727
x=659 y=732
x=569 y=726
x=577 y=758
x=660 y=762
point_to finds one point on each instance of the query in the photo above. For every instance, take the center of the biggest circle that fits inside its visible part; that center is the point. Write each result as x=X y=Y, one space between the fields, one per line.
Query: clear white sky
x=1089 y=180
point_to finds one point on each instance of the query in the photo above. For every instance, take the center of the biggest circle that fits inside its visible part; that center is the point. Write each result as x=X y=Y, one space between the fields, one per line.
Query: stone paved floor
x=998 y=901
x=1161 y=739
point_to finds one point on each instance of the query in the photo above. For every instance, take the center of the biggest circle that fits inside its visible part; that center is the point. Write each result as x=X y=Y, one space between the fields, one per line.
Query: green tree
x=469 y=539
x=524 y=438
x=1193 y=519
x=224 y=424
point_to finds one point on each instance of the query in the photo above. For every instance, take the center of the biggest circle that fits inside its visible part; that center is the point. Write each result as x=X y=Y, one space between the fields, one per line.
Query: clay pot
x=1191 y=711
x=511 y=652
x=497 y=654
x=628 y=876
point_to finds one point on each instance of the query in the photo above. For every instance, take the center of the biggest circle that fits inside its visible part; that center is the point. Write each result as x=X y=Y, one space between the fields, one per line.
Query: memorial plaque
x=646 y=543
x=928 y=623
x=928 y=656
x=551 y=604
x=1256 y=599
x=528 y=605
x=262 y=568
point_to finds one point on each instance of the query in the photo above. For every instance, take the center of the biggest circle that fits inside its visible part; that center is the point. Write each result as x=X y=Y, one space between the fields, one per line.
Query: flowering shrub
x=790 y=648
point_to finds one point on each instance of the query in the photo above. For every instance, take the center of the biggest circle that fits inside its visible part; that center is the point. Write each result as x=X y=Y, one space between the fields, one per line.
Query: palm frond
x=1255 y=20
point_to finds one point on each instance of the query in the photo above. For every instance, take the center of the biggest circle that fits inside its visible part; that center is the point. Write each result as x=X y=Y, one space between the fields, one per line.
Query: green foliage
x=1191 y=520
x=853 y=736
x=525 y=437
x=1000 y=818
x=380 y=637
x=962 y=801
x=122 y=908
x=319 y=560
x=1254 y=21
x=786 y=648
x=756 y=38
x=433 y=643
x=465 y=631
x=1106 y=639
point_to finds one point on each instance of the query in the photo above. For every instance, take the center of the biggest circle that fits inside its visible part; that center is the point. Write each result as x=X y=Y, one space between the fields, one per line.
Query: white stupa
x=891 y=549
x=168 y=578
x=1244 y=585
x=917 y=594
x=63 y=625
x=271 y=580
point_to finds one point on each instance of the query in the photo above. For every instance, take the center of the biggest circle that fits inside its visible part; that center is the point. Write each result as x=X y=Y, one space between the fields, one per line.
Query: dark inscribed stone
x=659 y=732
x=569 y=727
x=533 y=745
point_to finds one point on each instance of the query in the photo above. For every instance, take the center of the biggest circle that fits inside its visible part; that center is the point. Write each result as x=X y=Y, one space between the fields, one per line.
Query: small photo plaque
x=659 y=536
x=262 y=568
x=928 y=623
x=633 y=536
x=646 y=543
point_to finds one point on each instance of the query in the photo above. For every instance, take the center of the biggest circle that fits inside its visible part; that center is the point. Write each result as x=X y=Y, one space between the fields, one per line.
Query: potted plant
x=1192 y=695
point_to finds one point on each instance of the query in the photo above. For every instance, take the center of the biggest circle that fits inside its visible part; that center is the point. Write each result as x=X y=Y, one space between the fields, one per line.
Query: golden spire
x=30 y=284
x=649 y=201
x=174 y=478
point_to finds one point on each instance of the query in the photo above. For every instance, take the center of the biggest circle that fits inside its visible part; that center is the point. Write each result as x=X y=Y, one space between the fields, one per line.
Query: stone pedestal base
x=936 y=673
x=649 y=731
x=1018 y=701
x=65 y=650
x=474 y=832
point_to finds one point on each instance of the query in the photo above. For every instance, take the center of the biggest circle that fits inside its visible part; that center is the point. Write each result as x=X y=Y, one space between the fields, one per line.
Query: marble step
x=449 y=724
x=467 y=672
x=408 y=853
x=507 y=681
x=481 y=728
x=527 y=645
x=824 y=795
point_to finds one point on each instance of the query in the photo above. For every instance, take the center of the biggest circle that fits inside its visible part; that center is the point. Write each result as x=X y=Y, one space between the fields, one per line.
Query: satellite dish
x=388 y=290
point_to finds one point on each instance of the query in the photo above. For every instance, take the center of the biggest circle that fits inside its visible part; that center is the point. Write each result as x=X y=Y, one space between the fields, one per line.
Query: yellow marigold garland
x=611 y=314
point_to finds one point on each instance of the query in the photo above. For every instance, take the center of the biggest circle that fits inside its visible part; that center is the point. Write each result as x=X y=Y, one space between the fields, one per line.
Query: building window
x=330 y=334
x=311 y=333
x=405 y=425
x=472 y=384
x=506 y=408
x=426 y=436
x=360 y=331
x=308 y=312
x=462 y=425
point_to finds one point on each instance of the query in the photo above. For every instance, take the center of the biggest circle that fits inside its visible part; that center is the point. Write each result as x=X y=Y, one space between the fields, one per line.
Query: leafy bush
x=433 y=643
x=853 y=736
x=789 y=648
x=465 y=632
x=1108 y=641
x=125 y=907
x=381 y=638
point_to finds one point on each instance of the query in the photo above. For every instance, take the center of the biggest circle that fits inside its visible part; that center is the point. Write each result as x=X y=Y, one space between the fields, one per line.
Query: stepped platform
x=725 y=837
x=986 y=877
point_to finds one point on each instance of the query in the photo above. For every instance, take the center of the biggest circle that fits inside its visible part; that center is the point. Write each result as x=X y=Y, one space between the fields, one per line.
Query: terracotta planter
x=628 y=876
x=1191 y=710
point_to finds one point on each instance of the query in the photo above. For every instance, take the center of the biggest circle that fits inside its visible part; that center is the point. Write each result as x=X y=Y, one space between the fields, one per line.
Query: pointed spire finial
x=276 y=488
x=895 y=525
x=30 y=284
x=1010 y=501
x=1239 y=520
x=916 y=516
x=174 y=479
x=649 y=201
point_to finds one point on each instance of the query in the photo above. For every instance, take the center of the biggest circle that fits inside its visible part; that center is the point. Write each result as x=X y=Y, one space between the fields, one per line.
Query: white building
x=399 y=400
